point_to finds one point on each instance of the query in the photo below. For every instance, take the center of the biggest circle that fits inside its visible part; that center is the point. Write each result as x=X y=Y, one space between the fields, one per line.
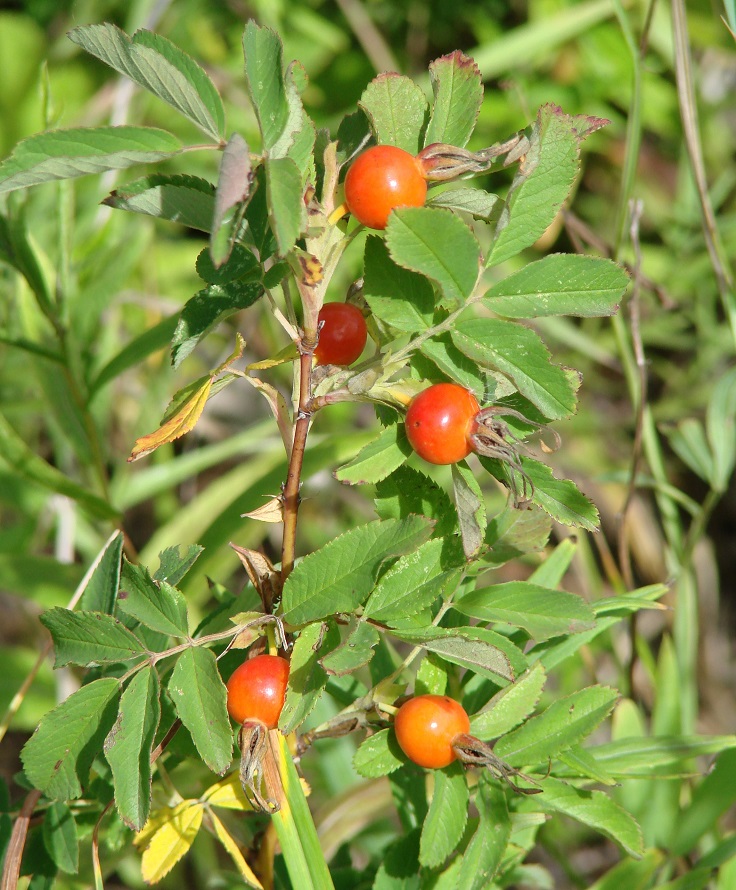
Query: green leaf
x=339 y=577
x=448 y=812
x=200 y=699
x=519 y=354
x=581 y=762
x=471 y=509
x=378 y=459
x=482 y=651
x=128 y=747
x=29 y=465
x=18 y=251
x=543 y=181
x=696 y=879
x=711 y=798
x=595 y=809
x=627 y=604
x=174 y=564
x=60 y=837
x=234 y=185
x=400 y=298
x=162 y=68
x=561 y=498
x=560 y=284
x=634 y=874
x=59 y=754
x=476 y=201
x=664 y=756
x=436 y=243
x=287 y=211
x=415 y=580
x=720 y=425
x=298 y=137
x=542 y=612
x=307 y=678
x=689 y=443
x=378 y=755
x=88 y=638
x=443 y=353
x=207 y=309
x=64 y=154
x=179 y=198
x=158 y=605
x=566 y=722
x=515 y=532
x=458 y=94
x=102 y=588
x=397 y=110
x=487 y=846
x=264 y=79
x=511 y=706
x=139 y=349
x=356 y=650
x=551 y=571
x=407 y=491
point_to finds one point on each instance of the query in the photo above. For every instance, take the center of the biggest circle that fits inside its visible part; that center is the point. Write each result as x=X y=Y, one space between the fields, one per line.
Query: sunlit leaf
x=458 y=94
x=64 y=154
x=160 y=67
x=397 y=110
x=128 y=747
x=58 y=756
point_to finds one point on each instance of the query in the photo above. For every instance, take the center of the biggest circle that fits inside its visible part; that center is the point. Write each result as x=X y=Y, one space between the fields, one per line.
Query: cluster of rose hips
x=432 y=730
x=444 y=424
x=426 y=725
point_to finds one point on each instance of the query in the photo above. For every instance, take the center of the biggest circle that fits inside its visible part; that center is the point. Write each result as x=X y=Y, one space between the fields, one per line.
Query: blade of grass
x=296 y=831
x=689 y=114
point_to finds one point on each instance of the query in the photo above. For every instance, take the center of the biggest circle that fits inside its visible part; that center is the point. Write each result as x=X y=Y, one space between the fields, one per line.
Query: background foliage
x=652 y=443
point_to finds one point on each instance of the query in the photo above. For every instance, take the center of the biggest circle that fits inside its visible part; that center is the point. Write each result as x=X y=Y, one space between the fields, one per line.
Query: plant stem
x=294 y=474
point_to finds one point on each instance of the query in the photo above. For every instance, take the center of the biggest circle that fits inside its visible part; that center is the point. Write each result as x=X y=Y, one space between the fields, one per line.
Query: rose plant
x=396 y=617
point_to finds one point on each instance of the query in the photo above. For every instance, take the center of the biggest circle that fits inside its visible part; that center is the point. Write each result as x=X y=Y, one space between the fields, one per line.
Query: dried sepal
x=473 y=752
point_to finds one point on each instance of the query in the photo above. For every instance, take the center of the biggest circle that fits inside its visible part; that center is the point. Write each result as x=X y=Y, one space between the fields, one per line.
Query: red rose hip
x=426 y=726
x=439 y=423
x=342 y=336
x=382 y=178
x=256 y=690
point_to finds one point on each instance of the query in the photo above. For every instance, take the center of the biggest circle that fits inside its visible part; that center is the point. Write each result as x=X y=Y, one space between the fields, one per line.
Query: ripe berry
x=426 y=726
x=257 y=688
x=439 y=423
x=381 y=178
x=342 y=335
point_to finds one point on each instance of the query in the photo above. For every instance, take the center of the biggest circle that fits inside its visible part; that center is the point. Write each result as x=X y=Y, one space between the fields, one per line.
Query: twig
x=14 y=853
x=294 y=474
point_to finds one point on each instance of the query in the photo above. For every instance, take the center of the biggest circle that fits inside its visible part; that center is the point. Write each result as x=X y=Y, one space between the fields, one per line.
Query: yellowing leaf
x=232 y=848
x=172 y=840
x=233 y=357
x=180 y=424
x=227 y=793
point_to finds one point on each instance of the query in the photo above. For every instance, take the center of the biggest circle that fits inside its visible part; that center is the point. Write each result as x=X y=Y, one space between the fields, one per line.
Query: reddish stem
x=294 y=474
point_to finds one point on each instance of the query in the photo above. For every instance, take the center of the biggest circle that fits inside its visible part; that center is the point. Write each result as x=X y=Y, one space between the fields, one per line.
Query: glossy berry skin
x=439 y=422
x=257 y=688
x=426 y=726
x=342 y=336
x=380 y=179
